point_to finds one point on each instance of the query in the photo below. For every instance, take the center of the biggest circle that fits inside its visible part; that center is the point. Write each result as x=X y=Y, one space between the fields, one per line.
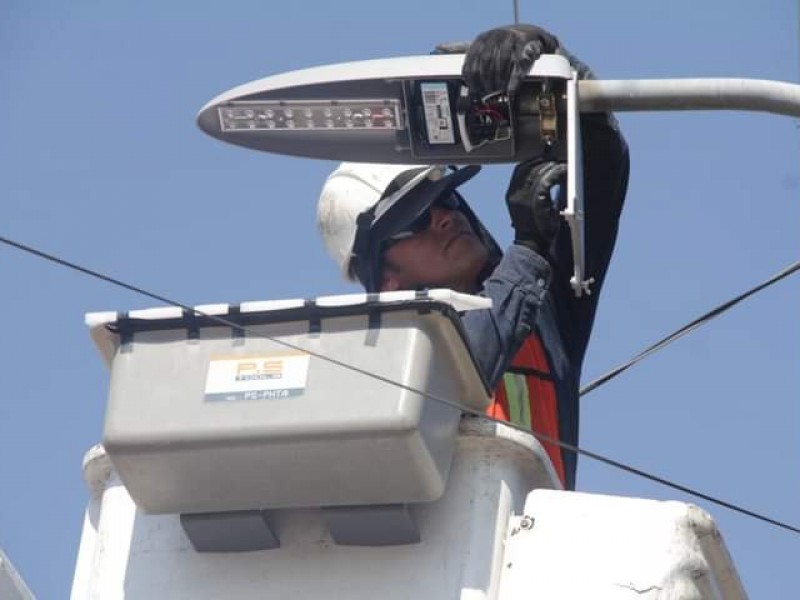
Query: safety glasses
x=423 y=221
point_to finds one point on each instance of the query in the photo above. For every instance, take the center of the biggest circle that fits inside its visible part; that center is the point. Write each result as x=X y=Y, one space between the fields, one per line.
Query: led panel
x=287 y=115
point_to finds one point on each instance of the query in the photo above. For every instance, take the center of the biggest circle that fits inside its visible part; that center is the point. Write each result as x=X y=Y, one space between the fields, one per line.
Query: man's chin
x=470 y=261
x=466 y=241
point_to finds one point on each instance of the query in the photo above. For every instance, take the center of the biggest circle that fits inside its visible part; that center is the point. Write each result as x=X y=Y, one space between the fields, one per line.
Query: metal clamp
x=548 y=123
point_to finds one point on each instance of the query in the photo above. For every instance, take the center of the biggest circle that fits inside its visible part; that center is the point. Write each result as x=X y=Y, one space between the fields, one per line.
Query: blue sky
x=102 y=164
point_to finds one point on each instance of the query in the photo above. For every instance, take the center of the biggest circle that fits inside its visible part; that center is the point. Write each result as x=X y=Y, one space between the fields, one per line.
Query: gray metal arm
x=660 y=95
x=689 y=94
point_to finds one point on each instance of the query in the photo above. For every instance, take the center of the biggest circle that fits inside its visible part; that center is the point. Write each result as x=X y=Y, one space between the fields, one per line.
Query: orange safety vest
x=526 y=396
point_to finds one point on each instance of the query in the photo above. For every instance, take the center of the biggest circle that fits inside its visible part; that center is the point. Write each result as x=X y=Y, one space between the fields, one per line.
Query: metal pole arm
x=689 y=94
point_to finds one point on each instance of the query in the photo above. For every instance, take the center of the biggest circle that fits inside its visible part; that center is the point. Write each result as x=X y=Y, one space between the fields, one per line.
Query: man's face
x=446 y=254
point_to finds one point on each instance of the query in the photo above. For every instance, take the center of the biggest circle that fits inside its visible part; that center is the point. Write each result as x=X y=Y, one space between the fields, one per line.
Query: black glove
x=498 y=59
x=534 y=213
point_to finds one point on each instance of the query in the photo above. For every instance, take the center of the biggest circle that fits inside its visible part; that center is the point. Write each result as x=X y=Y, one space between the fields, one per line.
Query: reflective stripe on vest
x=527 y=397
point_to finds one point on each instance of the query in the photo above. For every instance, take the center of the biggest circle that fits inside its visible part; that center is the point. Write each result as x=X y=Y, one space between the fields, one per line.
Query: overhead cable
x=688 y=328
x=433 y=397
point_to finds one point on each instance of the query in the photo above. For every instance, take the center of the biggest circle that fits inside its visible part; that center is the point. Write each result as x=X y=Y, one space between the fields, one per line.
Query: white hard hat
x=377 y=199
x=350 y=190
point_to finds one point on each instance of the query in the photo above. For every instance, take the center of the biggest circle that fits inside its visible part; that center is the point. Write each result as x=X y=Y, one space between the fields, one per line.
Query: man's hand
x=534 y=212
x=498 y=59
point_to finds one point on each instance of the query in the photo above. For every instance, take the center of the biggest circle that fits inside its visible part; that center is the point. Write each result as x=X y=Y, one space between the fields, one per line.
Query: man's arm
x=497 y=59
x=504 y=55
x=517 y=287
x=606 y=166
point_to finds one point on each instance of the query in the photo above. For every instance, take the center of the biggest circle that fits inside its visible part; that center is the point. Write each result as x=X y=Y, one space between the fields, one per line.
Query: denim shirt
x=517 y=288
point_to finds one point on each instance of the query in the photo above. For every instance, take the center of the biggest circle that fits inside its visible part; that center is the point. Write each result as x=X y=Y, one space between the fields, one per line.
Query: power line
x=688 y=328
x=433 y=397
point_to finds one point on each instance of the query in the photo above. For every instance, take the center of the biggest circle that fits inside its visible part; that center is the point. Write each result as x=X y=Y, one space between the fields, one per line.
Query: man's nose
x=441 y=218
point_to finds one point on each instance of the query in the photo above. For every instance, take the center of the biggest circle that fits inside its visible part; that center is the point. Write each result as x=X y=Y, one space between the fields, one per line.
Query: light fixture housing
x=396 y=110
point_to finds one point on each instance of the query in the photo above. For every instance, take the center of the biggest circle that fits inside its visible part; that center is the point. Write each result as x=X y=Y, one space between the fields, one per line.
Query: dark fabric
x=532 y=293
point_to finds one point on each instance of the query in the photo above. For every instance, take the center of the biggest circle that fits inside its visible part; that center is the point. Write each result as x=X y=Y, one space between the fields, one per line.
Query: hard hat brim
x=400 y=209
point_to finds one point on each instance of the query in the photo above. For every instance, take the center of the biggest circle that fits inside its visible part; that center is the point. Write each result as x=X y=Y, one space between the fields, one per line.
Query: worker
x=396 y=227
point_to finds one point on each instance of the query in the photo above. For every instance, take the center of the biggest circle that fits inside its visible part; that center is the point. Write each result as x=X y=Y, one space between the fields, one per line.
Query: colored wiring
x=433 y=397
x=491 y=112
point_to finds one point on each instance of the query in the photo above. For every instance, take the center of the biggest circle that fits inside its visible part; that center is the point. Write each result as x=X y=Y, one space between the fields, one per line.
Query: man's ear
x=389 y=281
